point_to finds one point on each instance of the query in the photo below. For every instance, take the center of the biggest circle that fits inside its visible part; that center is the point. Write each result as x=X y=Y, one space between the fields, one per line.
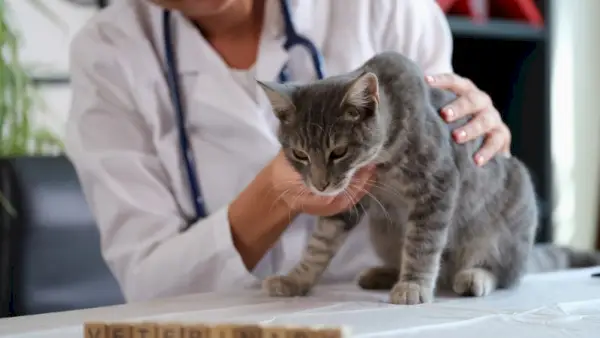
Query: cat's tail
x=551 y=257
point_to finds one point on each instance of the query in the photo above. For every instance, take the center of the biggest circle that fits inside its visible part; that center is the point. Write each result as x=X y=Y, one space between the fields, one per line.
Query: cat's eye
x=300 y=155
x=352 y=114
x=338 y=152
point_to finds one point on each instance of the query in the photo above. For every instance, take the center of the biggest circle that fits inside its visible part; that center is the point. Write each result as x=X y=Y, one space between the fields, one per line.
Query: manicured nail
x=429 y=79
x=479 y=159
x=460 y=135
x=448 y=113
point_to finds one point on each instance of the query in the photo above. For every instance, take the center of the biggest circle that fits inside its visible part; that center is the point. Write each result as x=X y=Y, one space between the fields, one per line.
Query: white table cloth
x=564 y=304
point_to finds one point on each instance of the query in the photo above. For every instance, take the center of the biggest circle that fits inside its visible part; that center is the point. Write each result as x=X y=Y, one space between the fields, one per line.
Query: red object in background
x=480 y=10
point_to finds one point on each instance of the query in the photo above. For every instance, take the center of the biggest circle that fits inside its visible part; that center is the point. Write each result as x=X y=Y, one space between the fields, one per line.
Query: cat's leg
x=492 y=262
x=425 y=238
x=386 y=235
x=329 y=235
x=495 y=252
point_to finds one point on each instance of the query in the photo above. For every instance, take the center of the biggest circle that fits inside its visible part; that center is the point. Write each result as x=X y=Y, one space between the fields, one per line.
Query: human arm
x=131 y=197
x=420 y=30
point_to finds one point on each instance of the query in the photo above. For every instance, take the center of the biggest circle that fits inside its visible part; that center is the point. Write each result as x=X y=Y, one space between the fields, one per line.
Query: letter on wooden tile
x=247 y=331
x=170 y=331
x=145 y=330
x=95 y=330
x=119 y=331
x=196 y=331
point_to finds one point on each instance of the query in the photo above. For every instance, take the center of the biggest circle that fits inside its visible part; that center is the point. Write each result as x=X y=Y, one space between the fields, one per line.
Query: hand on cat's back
x=486 y=120
x=288 y=184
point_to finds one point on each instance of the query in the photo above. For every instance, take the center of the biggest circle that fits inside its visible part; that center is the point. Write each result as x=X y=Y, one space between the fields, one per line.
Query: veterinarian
x=174 y=142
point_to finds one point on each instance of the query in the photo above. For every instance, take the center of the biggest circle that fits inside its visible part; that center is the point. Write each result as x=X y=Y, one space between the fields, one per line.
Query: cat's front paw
x=406 y=293
x=285 y=286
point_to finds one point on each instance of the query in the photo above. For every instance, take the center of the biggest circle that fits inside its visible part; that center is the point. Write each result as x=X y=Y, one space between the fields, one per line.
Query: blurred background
x=539 y=61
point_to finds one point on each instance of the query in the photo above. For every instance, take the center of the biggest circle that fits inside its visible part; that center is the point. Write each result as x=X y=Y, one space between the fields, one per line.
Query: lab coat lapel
x=211 y=81
x=213 y=84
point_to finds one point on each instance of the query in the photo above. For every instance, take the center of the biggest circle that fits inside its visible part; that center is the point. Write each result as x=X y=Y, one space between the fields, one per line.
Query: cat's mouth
x=327 y=192
x=332 y=189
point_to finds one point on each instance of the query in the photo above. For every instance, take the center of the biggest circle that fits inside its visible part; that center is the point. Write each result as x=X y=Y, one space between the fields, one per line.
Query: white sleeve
x=128 y=190
x=418 y=29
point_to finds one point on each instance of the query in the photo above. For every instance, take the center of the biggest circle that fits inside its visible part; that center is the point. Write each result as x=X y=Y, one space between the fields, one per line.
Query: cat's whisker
x=300 y=194
x=384 y=188
x=352 y=200
x=279 y=198
x=387 y=215
x=289 y=184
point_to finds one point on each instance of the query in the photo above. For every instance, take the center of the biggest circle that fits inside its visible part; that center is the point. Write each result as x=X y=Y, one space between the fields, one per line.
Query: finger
x=467 y=104
x=359 y=186
x=492 y=145
x=482 y=124
x=364 y=177
x=507 y=141
x=452 y=82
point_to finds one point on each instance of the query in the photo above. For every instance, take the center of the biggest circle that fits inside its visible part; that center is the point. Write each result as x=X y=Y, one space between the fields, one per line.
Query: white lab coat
x=122 y=137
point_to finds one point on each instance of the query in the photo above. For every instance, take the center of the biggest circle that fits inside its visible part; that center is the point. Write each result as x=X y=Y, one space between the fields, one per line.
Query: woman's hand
x=292 y=191
x=486 y=119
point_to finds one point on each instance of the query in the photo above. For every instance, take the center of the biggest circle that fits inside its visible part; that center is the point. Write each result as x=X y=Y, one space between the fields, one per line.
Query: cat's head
x=328 y=128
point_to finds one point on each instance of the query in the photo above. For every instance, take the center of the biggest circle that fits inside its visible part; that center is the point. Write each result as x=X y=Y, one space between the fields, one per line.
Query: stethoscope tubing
x=293 y=39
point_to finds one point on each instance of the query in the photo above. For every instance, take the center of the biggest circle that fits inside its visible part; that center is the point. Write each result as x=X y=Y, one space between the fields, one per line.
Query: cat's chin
x=328 y=192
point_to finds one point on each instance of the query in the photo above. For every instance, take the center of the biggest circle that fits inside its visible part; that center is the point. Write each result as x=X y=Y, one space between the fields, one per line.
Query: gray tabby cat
x=435 y=218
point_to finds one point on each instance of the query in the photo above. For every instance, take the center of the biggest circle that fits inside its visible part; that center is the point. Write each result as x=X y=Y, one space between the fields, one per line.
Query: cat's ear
x=280 y=98
x=362 y=94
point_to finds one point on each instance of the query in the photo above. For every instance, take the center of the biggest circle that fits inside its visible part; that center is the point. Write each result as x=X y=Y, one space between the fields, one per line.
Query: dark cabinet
x=510 y=61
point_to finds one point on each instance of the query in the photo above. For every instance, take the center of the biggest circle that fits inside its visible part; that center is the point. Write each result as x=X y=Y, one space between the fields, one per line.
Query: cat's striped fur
x=436 y=219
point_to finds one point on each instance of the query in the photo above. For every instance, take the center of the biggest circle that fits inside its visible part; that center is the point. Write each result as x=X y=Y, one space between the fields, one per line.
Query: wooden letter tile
x=119 y=331
x=221 y=331
x=329 y=333
x=274 y=332
x=95 y=330
x=300 y=333
x=170 y=330
x=247 y=331
x=145 y=330
x=196 y=331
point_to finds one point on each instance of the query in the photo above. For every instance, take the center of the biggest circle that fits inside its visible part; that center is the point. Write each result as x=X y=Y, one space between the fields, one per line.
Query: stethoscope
x=293 y=39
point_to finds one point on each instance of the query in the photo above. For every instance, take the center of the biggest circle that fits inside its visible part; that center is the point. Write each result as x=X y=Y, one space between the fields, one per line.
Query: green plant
x=19 y=98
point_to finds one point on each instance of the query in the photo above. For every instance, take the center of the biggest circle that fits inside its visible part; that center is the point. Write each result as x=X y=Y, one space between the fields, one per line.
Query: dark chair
x=50 y=251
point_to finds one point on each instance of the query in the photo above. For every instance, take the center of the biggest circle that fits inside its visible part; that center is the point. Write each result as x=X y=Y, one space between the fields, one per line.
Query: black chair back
x=50 y=256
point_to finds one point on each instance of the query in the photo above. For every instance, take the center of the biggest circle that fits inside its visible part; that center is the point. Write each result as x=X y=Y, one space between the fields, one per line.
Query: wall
x=46 y=48
x=576 y=120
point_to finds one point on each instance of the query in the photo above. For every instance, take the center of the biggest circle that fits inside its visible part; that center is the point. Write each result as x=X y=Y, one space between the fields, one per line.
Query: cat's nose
x=321 y=185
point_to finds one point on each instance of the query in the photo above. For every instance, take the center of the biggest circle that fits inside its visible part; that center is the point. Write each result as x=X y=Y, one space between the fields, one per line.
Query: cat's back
x=391 y=67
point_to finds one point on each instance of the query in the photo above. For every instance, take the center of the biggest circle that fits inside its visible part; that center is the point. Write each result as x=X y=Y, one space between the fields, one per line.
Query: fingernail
x=448 y=113
x=460 y=135
x=429 y=79
x=479 y=159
